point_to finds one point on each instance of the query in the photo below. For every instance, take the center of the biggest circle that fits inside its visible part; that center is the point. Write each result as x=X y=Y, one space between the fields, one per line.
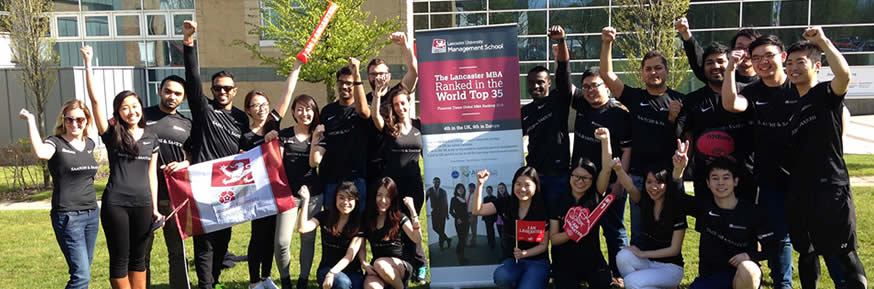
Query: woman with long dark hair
x=403 y=148
x=567 y=270
x=458 y=210
x=383 y=228
x=341 y=237
x=264 y=121
x=70 y=155
x=526 y=264
x=659 y=264
x=130 y=202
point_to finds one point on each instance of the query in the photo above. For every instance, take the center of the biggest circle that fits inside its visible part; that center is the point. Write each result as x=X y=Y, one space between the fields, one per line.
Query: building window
x=156 y=24
x=97 y=26
x=127 y=25
x=68 y=26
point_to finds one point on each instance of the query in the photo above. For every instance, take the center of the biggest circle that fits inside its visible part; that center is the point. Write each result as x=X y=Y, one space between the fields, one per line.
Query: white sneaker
x=268 y=284
x=259 y=285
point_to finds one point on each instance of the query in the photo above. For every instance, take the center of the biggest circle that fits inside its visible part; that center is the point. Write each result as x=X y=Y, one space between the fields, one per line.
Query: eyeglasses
x=345 y=83
x=378 y=73
x=219 y=88
x=260 y=106
x=79 y=120
x=759 y=58
x=593 y=86
x=582 y=178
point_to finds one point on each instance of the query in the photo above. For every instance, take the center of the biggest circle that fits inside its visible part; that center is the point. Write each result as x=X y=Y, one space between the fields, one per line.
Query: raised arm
x=611 y=80
x=41 y=149
x=603 y=134
x=841 y=82
x=358 y=89
x=96 y=107
x=307 y=224
x=375 y=104
x=478 y=208
x=694 y=52
x=290 y=84
x=413 y=228
x=193 y=86
x=412 y=75
x=731 y=100
x=316 y=150
x=562 y=72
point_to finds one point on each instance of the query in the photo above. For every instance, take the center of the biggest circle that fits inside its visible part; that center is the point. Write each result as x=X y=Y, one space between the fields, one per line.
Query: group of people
x=763 y=137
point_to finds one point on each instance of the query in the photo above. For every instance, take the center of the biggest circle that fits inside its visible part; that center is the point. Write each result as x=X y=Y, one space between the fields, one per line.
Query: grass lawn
x=860 y=165
x=32 y=258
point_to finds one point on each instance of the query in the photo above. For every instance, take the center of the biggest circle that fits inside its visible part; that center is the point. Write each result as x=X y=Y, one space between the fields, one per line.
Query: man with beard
x=654 y=111
x=595 y=109
x=544 y=121
x=695 y=54
x=819 y=181
x=216 y=130
x=173 y=130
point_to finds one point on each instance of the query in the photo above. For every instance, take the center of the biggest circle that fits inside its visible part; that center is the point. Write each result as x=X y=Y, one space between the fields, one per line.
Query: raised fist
x=87 y=53
x=682 y=25
x=814 y=34
x=304 y=192
x=189 y=28
x=556 y=32
x=408 y=201
x=354 y=63
x=602 y=133
x=25 y=115
x=482 y=176
x=399 y=38
x=616 y=164
x=735 y=57
x=608 y=34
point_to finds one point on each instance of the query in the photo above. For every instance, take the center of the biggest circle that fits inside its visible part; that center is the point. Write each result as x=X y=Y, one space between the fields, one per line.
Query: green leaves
x=648 y=25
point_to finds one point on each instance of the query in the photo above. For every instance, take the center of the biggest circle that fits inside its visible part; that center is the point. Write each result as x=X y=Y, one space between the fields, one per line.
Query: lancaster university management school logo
x=439 y=46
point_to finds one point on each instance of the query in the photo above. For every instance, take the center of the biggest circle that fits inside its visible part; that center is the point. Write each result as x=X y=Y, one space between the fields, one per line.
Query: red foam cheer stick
x=307 y=51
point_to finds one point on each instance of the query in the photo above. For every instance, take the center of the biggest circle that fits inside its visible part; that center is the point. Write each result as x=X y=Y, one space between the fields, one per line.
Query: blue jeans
x=341 y=280
x=330 y=194
x=615 y=236
x=552 y=187
x=76 y=233
x=636 y=233
x=525 y=274
x=780 y=260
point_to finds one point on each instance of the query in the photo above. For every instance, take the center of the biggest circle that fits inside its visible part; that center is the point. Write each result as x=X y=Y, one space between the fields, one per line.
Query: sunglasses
x=79 y=120
x=222 y=87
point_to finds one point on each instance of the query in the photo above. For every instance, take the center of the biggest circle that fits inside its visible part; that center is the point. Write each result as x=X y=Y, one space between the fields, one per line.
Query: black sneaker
x=302 y=283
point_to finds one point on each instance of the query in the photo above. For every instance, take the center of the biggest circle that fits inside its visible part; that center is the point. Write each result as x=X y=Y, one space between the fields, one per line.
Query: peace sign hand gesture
x=681 y=157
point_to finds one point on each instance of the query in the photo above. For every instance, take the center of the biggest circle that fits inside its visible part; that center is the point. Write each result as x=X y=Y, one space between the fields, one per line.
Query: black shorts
x=822 y=219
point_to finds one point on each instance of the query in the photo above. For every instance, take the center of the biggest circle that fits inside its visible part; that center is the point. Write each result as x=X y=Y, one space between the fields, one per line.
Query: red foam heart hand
x=579 y=221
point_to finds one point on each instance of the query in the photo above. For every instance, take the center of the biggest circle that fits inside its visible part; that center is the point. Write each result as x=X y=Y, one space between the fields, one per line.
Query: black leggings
x=809 y=270
x=127 y=231
x=260 y=257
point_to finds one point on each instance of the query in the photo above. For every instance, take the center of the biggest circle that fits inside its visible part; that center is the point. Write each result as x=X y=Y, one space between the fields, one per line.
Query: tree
x=28 y=23
x=351 y=33
x=648 y=25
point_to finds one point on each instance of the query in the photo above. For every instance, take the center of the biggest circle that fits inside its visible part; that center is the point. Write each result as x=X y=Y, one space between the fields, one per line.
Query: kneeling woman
x=341 y=237
x=383 y=230
x=567 y=269
x=130 y=201
x=526 y=264
x=659 y=264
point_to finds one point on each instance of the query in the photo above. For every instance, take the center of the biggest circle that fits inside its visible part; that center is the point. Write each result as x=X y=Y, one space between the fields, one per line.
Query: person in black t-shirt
x=342 y=238
x=595 y=109
x=819 y=181
x=575 y=261
x=130 y=202
x=216 y=130
x=544 y=120
x=384 y=229
x=770 y=102
x=459 y=212
x=172 y=129
x=654 y=111
x=343 y=156
x=697 y=57
x=74 y=213
x=658 y=263
x=526 y=263
x=300 y=170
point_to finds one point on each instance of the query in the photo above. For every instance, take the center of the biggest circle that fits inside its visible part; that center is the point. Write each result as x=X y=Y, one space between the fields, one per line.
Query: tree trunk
x=329 y=89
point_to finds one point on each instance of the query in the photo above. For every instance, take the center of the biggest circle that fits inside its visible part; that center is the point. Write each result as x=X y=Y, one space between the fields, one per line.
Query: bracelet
x=358 y=83
x=416 y=228
x=189 y=43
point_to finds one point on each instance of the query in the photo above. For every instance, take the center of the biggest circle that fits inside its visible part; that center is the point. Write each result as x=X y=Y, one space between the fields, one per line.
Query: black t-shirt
x=728 y=232
x=771 y=109
x=128 y=184
x=215 y=131
x=403 y=152
x=345 y=143
x=612 y=115
x=653 y=136
x=657 y=234
x=376 y=145
x=251 y=140
x=334 y=247
x=505 y=210
x=172 y=131
x=296 y=159
x=816 y=136
x=72 y=173
x=544 y=121
x=380 y=247
x=589 y=246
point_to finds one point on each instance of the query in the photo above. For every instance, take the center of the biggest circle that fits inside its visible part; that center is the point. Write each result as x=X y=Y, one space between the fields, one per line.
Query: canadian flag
x=230 y=190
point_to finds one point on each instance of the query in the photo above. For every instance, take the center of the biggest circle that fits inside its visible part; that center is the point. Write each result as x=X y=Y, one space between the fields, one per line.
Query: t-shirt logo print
x=227 y=197
x=232 y=173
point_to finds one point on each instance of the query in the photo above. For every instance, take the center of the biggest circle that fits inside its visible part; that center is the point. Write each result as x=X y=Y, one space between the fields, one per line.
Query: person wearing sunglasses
x=74 y=213
x=217 y=129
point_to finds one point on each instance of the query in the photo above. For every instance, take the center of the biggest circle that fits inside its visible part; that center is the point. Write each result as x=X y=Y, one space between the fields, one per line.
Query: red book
x=530 y=231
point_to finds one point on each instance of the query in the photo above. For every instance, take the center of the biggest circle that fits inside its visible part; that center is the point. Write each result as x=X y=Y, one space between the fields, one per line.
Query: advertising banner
x=469 y=106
